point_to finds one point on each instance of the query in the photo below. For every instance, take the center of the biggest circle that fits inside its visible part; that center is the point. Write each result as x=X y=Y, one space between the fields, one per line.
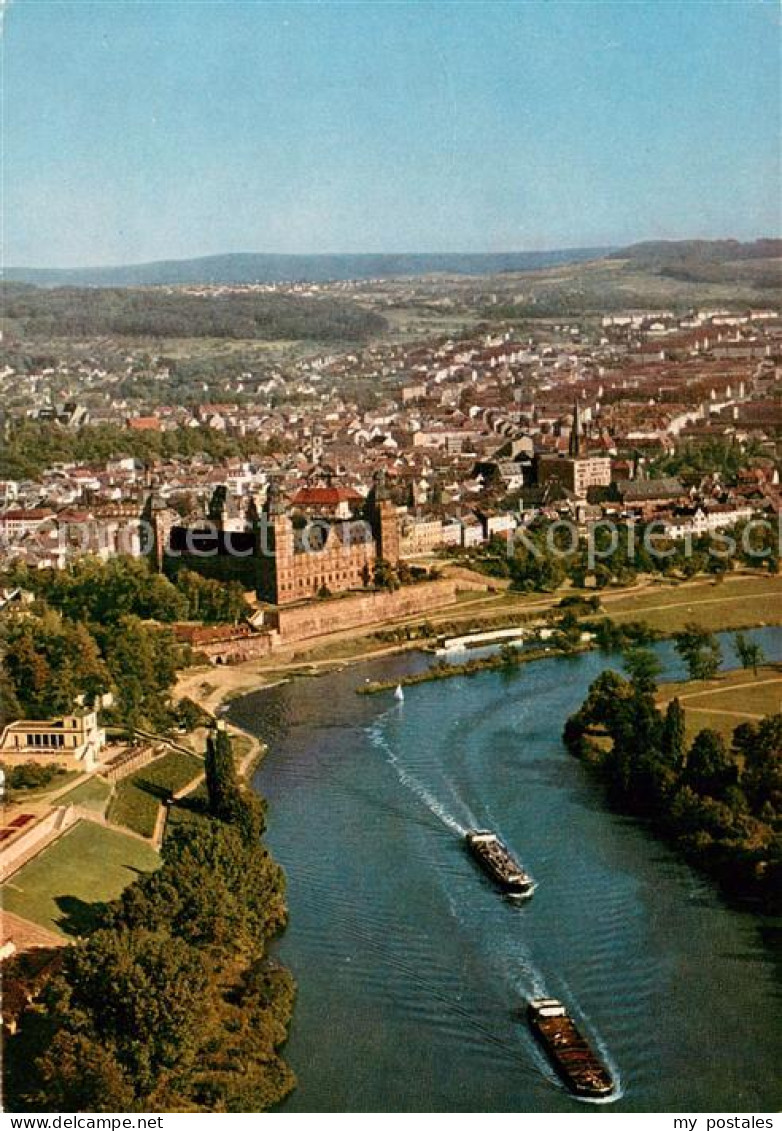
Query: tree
x=760 y=748
x=673 y=746
x=77 y=1074
x=643 y=668
x=228 y=801
x=385 y=576
x=136 y=1000
x=749 y=652
x=710 y=769
x=222 y=780
x=700 y=651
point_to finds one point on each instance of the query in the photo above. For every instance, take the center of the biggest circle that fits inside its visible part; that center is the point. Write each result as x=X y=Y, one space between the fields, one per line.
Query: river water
x=413 y=970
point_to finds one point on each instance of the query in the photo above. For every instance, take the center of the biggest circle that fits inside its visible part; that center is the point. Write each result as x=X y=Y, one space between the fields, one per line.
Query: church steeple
x=576 y=443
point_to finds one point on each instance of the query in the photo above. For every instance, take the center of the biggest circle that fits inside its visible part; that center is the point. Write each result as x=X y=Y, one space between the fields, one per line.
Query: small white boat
x=399 y=693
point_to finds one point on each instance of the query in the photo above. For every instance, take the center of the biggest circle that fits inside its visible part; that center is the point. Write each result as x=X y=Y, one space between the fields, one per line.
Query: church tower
x=576 y=442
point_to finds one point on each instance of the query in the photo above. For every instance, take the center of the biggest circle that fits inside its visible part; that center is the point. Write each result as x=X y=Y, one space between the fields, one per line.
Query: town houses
x=470 y=437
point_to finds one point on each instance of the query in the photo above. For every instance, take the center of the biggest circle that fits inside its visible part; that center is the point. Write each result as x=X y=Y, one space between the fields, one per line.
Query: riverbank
x=708 y=787
x=368 y=801
x=505 y=660
x=742 y=600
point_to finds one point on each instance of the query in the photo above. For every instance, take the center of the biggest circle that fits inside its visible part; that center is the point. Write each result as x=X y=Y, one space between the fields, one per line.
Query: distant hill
x=259 y=268
x=757 y=264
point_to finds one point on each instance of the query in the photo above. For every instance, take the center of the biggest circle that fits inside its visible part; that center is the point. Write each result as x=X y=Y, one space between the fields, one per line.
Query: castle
x=284 y=555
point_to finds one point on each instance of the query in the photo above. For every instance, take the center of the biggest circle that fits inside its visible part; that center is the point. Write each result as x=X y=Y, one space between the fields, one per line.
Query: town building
x=74 y=741
x=577 y=471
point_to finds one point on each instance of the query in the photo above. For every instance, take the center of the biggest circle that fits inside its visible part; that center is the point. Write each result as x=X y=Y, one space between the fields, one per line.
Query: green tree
x=76 y=1073
x=673 y=743
x=760 y=748
x=700 y=651
x=750 y=653
x=222 y=781
x=710 y=769
x=140 y=996
x=643 y=667
x=385 y=576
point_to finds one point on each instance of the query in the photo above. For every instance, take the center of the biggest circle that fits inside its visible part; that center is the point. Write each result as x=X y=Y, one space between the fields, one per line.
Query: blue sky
x=154 y=129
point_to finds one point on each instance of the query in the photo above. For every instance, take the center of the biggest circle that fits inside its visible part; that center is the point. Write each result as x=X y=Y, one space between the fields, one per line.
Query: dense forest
x=81 y=313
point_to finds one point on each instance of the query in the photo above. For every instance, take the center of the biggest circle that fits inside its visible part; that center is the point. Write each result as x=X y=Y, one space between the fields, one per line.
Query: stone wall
x=33 y=840
x=366 y=610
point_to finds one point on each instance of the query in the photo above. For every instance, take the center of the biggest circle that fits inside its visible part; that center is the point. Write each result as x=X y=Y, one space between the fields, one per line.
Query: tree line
x=549 y=554
x=31 y=447
x=79 y=312
x=101 y=628
x=719 y=802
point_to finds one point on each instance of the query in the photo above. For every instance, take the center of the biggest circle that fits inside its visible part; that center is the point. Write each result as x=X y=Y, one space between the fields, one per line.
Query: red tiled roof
x=26 y=515
x=325 y=496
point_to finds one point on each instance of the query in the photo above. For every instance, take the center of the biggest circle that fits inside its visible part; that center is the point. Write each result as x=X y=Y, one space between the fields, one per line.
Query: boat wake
x=605 y=1055
x=411 y=782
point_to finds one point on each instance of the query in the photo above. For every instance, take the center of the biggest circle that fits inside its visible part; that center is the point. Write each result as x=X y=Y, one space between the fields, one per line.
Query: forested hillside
x=73 y=312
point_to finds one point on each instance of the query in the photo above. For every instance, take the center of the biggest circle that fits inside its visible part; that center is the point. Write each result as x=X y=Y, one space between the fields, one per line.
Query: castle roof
x=324 y=496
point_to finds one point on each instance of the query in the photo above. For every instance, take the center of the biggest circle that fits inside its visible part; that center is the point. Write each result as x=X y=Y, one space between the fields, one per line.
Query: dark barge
x=575 y=1061
x=497 y=862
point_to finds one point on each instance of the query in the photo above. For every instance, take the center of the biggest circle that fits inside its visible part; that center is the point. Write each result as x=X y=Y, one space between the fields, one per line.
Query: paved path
x=718 y=711
x=726 y=689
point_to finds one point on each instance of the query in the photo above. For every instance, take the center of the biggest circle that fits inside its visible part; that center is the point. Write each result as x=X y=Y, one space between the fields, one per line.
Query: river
x=413 y=970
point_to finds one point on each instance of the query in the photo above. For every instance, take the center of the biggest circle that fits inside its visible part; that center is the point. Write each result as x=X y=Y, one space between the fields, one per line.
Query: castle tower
x=277 y=565
x=316 y=448
x=217 y=506
x=157 y=521
x=384 y=520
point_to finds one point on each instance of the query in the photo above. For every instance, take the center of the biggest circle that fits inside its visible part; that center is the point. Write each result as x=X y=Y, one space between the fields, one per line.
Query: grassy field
x=138 y=797
x=737 y=602
x=87 y=865
x=191 y=810
x=731 y=698
x=93 y=794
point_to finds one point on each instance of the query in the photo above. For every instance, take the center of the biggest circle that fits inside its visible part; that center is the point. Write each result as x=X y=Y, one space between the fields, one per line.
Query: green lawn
x=733 y=603
x=93 y=794
x=89 y=864
x=731 y=698
x=137 y=799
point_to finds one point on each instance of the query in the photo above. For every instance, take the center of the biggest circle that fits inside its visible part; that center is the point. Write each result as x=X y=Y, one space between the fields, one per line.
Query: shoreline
x=212 y=686
x=220 y=685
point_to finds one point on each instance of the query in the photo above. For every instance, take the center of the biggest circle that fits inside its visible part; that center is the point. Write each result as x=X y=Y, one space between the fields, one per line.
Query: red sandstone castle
x=285 y=554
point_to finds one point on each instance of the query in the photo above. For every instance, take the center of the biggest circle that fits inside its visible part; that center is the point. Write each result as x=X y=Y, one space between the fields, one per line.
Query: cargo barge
x=497 y=862
x=575 y=1061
